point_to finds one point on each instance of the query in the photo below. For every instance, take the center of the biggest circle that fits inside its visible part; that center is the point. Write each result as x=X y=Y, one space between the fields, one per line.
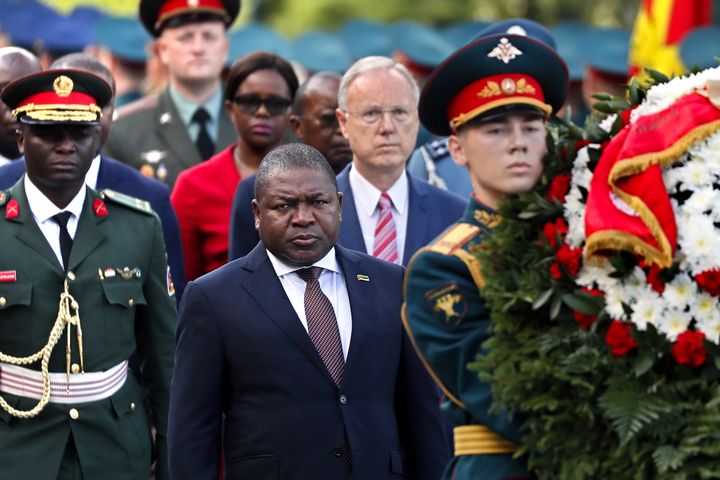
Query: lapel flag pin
x=363 y=278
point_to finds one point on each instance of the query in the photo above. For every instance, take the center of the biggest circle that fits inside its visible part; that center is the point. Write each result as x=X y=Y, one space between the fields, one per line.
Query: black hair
x=299 y=99
x=291 y=156
x=255 y=61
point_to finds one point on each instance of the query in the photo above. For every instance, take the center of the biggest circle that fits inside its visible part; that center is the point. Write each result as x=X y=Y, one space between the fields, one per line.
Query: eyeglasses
x=371 y=116
x=251 y=103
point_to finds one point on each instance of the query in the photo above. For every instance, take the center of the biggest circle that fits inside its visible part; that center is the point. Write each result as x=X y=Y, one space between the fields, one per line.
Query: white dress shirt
x=91 y=176
x=332 y=283
x=367 y=196
x=43 y=210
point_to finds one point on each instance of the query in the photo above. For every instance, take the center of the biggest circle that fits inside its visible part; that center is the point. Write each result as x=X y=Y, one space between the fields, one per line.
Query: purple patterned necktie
x=322 y=324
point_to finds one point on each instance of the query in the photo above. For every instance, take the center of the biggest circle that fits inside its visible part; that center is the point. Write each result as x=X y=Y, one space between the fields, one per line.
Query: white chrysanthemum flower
x=581 y=158
x=680 y=291
x=707 y=151
x=592 y=274
x=648 y=309
x=699 y=240
x=693 y=175
x=704 y=307
x=672 y=180
x=673 y=322
x=710 y=327
x=702 y=200
x=660 y=97
x=614 y=299
x=576 y=231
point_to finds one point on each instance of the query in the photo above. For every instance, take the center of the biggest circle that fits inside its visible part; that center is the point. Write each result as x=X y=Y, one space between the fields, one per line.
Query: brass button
x=2 y=301
x=131 y=302
x=74 y=414
x=71 y=275
x=75 y=368
x=132 y=406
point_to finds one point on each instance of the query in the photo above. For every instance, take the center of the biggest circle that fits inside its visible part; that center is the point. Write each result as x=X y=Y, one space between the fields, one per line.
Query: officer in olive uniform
x=84 y=284
x=492 y=97
x=165 y=133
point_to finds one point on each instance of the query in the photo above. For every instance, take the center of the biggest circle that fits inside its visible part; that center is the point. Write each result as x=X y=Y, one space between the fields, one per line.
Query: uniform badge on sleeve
x=448 y=303
x=170 y=286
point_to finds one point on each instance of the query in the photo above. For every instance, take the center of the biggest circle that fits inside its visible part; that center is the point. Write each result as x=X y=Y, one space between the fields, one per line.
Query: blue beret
x=458 y=34
x=700 y=47
x=319 y=51
x=608 y=50
x=363 y=38
x=124 y=37
x=423 y=45
x=519 y=26
x=256 y=37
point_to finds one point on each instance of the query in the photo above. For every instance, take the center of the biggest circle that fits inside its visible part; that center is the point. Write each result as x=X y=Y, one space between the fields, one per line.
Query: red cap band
x=495 y=91
x=52 y=98
x=172 y=8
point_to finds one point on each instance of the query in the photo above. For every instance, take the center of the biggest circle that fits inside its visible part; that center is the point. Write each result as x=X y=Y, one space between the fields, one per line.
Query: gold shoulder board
x=454 y=237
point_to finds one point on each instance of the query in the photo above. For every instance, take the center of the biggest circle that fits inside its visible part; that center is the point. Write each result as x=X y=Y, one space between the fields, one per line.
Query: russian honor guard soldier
x=492 y=98
x=83 y=285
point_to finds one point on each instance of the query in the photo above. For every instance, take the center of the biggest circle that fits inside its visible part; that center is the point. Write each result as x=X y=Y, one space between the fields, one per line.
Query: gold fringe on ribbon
x=617 y=240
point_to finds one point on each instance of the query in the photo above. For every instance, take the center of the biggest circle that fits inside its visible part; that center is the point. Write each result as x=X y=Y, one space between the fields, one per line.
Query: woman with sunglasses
x=258 y=93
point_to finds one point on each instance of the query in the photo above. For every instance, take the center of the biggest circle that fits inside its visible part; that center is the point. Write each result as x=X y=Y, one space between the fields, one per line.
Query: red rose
x=619 y=338
x=653 y=278
x=583 y=319
x=569 y=258
x=709 y=280
x=552 y=230
x=688 y=349
x=558 y=188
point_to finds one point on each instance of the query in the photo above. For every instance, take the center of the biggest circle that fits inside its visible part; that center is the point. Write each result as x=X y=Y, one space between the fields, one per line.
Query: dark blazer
x=149 y=135
x=123 y=179
x=432 y=210
x=248 y=377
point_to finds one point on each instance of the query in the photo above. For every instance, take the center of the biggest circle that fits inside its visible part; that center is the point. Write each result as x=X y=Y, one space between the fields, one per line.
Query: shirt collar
x=43 y=209
x=186 y=107
x=367 y=195
x=328 y=262
x=91 y=177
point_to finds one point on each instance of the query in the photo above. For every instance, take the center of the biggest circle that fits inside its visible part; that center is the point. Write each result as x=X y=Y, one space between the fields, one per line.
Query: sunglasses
x=251 y=103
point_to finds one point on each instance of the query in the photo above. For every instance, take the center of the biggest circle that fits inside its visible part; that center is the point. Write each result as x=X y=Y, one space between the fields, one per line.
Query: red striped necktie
x=385 y=244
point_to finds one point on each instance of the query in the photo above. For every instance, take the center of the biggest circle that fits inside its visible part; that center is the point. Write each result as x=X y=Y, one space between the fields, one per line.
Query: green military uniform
x=122 y=311
x=448 y=321
x=150 y=136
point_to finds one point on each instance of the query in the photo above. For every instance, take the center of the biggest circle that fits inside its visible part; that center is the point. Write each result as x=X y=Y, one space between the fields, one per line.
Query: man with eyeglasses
x=386 y=212
x=184 y=124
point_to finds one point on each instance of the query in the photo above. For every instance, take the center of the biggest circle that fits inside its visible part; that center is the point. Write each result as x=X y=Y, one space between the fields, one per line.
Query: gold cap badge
x=63 y=86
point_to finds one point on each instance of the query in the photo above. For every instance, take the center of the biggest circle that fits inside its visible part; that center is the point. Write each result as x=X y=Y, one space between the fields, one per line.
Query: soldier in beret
x=492 y=97
x=83 y=285
x=165 y=133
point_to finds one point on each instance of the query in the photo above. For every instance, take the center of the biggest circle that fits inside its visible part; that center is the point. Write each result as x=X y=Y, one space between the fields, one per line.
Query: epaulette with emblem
x=437 y=149
x=454 y=238
x=127 y=201
x=4 y=196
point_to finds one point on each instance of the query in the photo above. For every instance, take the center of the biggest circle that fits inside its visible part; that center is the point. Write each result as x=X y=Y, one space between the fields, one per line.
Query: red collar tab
x=99 y=208
x=12 y=209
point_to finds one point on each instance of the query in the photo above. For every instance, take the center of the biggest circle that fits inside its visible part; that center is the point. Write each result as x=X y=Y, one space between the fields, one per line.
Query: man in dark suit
x=378 y=115
x=82 y=286
x=293 y=359
x=386 y=211
x=163 y=134
x=108 y=173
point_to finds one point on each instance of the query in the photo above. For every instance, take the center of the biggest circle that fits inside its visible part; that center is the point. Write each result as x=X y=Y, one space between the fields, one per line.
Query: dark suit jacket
x=123 y=179
x=432 y=210
x=243 y=353
x=150 y=135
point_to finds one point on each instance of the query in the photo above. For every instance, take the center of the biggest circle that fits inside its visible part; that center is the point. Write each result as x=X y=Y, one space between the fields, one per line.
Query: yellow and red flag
x=659 y=28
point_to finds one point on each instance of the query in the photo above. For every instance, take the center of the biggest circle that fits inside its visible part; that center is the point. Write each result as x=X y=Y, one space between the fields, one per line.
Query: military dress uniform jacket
x=149 y=135
x=448 y=320
x=122 y=310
